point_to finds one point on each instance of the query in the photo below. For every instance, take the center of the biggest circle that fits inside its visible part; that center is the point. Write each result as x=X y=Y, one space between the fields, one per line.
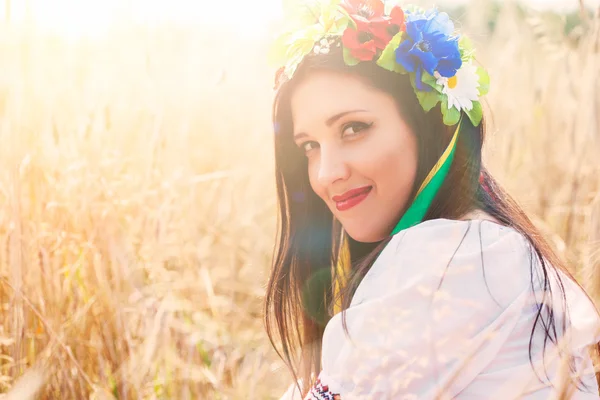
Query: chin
x=364 y=234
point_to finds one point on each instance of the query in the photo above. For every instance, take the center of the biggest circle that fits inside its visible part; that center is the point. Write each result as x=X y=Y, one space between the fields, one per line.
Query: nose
x=332 y=166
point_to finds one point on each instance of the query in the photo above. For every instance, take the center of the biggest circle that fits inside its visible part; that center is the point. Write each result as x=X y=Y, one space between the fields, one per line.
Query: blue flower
x=430 y=46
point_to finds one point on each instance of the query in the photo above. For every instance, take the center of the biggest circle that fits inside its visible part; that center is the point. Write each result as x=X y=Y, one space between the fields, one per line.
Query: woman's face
x=362 y=156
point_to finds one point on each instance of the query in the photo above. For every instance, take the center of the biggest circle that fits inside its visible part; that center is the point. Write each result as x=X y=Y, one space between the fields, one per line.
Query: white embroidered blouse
x=447 y=311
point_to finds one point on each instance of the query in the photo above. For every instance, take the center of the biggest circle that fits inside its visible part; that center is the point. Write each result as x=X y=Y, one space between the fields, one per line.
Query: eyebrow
x=330 y=121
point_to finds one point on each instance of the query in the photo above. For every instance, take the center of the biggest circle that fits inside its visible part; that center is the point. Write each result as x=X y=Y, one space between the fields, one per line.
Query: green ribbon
x=430 y=187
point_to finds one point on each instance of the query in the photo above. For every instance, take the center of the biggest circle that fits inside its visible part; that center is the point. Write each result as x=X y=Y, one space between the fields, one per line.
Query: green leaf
x=333 y=19
x=387 y=60
x=349 y=59
x=428 y=79
x=301 y=13
x=452 y=115
x=428 y=100
x=292 y=63
x=301 y=47
x=345 y=17
x=484 y=81
x=277 y=55
x=476 y=113
x=290 y=45
x=310 y=35
x=467 y=50
x=338 y=26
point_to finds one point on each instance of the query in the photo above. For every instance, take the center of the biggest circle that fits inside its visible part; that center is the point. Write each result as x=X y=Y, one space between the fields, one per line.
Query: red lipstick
x=351 y=198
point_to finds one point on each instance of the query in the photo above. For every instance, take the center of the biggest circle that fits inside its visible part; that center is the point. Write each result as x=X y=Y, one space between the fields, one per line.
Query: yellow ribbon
x=441 y=161
x=343 y=269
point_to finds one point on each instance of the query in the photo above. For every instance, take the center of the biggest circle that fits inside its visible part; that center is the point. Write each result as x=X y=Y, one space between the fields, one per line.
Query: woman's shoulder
x=458 y=253
x=439 y=239
x=473 y=226
x=455 y=240
x=468 y=283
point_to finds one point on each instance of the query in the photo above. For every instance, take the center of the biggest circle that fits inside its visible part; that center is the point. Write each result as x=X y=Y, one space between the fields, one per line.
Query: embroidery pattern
x=321 y=392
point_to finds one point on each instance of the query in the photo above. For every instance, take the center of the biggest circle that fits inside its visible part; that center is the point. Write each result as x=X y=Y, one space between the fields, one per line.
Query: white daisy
x=462 y=89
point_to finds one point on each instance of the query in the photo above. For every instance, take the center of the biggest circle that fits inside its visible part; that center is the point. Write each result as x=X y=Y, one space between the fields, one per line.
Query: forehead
x=325 y=93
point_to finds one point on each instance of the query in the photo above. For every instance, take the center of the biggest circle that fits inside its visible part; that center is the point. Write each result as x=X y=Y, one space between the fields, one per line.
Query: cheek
x=396 y=168
x=390 y=156
x=394 y=174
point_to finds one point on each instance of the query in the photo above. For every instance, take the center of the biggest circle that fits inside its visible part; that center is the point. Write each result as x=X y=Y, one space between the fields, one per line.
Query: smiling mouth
x=351 y=198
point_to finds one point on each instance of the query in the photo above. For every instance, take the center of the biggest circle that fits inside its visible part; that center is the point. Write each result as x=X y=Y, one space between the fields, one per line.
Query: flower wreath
x=420 y=43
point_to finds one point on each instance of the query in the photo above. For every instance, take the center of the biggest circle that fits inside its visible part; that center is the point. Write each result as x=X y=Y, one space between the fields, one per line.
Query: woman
x=445 y=287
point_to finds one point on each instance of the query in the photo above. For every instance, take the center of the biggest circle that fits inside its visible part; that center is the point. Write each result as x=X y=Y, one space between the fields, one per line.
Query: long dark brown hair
x=299 y=294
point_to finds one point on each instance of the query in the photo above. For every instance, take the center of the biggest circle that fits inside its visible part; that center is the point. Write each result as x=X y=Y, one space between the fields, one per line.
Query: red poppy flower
x=372 y=26
x=384 y=29
x=364 y=10
x=397 y=18
x=360 y=42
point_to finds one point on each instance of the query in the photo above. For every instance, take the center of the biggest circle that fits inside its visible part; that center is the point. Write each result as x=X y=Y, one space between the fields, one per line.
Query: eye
x=309 y=145
x=354 y=128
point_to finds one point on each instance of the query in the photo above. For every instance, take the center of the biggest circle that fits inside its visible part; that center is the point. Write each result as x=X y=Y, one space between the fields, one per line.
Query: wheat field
x=137 y=199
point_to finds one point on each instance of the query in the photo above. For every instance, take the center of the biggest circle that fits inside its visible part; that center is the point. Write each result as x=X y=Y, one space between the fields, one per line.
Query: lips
x=351 y=198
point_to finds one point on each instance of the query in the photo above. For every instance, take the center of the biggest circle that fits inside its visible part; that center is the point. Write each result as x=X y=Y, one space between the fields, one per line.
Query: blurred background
x=137 y=199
